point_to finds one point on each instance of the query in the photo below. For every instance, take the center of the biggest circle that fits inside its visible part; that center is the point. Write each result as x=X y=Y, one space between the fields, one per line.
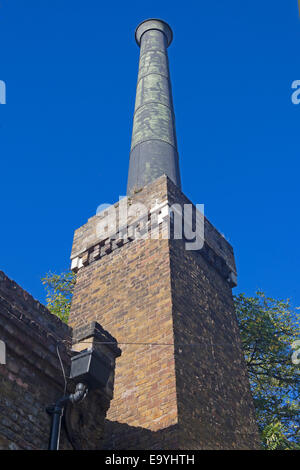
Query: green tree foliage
x=59 y=289
x=268 y=328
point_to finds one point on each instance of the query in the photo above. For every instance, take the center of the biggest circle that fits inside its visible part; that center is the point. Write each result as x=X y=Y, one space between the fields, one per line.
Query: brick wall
x=32 y=378
x=138 y=309
x=215 y=409
x=191 y=391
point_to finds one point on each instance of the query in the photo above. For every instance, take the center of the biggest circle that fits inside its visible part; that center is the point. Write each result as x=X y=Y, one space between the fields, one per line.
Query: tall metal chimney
x=153 y=144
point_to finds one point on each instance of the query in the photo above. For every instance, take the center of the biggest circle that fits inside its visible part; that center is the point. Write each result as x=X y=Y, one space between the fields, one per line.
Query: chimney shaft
x=153 y=145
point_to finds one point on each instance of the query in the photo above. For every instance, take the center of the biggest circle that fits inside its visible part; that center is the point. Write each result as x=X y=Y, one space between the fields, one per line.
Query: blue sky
x=70 y=68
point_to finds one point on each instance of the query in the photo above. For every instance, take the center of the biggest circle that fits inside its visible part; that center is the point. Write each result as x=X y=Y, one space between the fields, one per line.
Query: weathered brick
x=32 y=378
x=194 y=393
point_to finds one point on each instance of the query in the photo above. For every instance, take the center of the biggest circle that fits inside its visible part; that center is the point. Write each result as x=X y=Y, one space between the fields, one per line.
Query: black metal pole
x=55 y=427
x=57 y=411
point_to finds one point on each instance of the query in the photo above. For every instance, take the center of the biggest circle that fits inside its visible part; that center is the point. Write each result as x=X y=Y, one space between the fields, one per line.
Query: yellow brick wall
x=129 y=293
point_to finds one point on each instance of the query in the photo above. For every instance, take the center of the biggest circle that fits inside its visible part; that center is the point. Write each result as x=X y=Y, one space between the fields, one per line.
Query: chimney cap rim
x=165 y=28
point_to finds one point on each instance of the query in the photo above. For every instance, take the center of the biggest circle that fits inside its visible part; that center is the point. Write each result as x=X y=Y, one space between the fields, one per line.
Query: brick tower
x=181 y=381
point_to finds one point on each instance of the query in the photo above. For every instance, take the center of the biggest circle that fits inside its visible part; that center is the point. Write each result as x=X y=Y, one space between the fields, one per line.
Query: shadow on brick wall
x=119 y=436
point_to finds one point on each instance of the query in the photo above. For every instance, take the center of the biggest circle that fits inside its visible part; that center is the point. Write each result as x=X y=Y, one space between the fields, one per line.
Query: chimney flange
x=156 y=24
